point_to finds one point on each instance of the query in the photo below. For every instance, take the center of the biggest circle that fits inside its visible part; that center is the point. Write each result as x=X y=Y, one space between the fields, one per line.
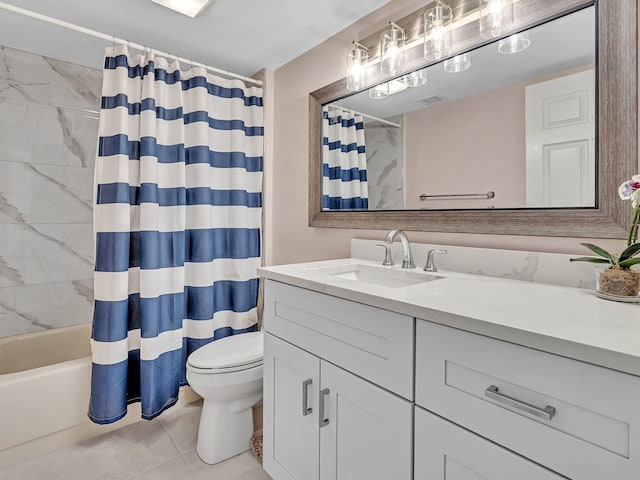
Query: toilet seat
x=229 y=354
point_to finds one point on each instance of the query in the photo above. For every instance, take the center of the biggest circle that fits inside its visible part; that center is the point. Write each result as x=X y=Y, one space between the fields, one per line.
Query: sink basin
x=384 y=277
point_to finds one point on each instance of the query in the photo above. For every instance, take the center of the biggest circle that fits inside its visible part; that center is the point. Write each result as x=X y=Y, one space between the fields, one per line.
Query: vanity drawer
x=444 y=451
x=500 y=390
x=373 y=343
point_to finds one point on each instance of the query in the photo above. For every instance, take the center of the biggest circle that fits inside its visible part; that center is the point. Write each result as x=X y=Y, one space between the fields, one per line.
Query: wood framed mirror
x=616 y=140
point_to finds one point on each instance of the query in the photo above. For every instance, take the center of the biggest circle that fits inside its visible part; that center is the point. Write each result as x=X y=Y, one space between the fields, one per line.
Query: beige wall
x=438 y=142
x=288 y=236
x=492 y=126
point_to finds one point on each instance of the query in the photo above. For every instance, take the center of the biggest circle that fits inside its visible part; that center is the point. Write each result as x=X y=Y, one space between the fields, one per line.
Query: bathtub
x=44 y=394
x=44 y=383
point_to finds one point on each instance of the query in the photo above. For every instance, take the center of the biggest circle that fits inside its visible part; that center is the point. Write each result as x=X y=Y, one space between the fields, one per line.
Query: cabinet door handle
x=323 y=421
x=306 y=409
x=546 y=413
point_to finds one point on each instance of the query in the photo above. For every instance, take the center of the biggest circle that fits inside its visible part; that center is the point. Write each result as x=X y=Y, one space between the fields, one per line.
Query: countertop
x=566 y=321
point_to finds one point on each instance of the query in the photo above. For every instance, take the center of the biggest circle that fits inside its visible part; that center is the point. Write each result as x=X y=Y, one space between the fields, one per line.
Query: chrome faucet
x=431 y=264
x=407 y=257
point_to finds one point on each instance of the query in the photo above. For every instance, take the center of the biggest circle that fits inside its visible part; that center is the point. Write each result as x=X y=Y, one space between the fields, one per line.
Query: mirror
x=488 y=129
x=569 y=189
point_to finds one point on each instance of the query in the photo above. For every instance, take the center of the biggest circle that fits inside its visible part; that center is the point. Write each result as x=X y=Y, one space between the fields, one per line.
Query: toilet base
x=225 y=429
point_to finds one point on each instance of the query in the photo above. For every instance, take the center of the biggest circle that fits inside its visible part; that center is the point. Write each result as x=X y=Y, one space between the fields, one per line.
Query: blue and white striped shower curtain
x=177 y=220
x=344 y=167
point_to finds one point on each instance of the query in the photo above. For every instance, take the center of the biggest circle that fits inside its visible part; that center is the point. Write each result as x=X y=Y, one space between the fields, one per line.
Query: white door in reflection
x=560 y=121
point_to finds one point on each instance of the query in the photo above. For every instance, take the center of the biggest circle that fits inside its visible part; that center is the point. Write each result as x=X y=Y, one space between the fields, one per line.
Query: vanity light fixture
x=379 y=91
x=437 y=31
x=415 y=79
x=191 y=8
x=515 y=43
x=496 y=17
x=457 y=64
x=357 y=67
x=387 y=88
x=396 y=86
x=392 y=43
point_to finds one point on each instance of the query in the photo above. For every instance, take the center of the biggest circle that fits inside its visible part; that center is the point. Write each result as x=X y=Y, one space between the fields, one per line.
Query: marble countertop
x=567 y=321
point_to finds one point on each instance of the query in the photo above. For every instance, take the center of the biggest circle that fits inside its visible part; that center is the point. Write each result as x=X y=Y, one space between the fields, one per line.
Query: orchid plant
x=629 y=190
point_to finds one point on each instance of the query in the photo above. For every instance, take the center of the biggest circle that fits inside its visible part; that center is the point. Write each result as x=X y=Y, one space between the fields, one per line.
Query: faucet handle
x=430 y=266
x=388 y=258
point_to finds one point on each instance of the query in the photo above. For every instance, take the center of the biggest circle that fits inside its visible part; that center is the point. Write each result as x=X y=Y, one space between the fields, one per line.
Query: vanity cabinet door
x=365 y=431
x=291 y=387
x=444 y=451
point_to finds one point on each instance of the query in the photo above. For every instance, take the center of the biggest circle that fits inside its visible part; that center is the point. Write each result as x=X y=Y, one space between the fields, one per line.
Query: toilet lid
x=228 y=352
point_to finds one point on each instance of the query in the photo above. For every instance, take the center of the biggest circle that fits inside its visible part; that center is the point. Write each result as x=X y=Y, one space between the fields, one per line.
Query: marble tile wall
x=384 y=147
x=48 y=136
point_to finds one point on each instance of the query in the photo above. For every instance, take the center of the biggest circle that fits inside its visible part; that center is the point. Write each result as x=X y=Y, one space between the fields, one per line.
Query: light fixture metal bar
x=121 y=41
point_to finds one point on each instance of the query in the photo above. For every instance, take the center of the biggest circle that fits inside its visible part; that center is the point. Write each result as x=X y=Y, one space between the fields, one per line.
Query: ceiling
x=564 y=43
x=241 y=36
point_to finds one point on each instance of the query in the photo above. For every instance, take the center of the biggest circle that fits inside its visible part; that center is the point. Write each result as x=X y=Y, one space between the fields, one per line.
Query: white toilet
x=227 y=374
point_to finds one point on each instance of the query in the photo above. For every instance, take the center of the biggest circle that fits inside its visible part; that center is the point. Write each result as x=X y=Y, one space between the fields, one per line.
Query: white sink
x=381 y=276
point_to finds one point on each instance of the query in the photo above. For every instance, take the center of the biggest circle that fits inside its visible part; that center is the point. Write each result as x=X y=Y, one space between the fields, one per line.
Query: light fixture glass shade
x=457 y=64
x=415 y=79
x=392 y=42
x=379 y=91
x=396 y=86
x=496 y=17
x=191 y=8
x=357 y=67
x=437 y=31
x=515 y=43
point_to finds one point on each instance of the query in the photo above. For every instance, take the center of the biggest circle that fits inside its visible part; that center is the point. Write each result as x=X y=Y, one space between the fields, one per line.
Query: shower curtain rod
x=381 y=120
x=112 y=38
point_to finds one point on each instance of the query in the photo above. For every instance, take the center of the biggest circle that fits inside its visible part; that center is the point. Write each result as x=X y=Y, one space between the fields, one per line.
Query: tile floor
x=163 y=449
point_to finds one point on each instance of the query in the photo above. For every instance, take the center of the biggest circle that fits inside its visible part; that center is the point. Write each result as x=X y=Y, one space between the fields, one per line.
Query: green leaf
x=598 y=251
x=631 y=251
x=591 y=260
x=630 y=261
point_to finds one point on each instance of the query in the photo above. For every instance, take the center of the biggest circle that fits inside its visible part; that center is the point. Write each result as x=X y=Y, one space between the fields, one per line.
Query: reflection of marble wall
x=384 y=145
x=48 y=136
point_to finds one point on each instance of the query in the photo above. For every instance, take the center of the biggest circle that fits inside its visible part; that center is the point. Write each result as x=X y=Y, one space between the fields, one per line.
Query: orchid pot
x=617 y=281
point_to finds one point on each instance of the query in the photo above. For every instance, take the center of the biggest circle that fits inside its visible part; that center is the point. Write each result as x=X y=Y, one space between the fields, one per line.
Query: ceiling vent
x=433 y=99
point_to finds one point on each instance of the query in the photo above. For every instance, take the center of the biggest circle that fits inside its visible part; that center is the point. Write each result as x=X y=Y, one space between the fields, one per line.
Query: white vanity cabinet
x=574 y=418
x=445 y=451
x=328 y=411
x=355 y=392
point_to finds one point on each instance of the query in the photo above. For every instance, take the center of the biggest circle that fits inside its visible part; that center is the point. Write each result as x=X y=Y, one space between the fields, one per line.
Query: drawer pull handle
x=323 y=421
x=546 y=413
x=306 y=409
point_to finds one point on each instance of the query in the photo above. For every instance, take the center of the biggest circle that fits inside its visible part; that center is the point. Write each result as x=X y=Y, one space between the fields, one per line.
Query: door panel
x=291 y=442
x=369 y=431
x=560 y=117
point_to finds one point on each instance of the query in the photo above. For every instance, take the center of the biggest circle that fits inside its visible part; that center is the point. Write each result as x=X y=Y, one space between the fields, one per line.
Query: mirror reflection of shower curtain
x=177 y=218
x=344 y=167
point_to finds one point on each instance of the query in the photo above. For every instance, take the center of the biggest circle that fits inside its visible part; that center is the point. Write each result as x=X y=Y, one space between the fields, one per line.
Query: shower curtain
x=177 y=220
x=344 y=168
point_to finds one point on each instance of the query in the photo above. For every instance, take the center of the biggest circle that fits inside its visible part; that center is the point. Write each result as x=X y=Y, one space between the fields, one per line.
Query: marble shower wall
x=48 y=136
x=385 y=166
